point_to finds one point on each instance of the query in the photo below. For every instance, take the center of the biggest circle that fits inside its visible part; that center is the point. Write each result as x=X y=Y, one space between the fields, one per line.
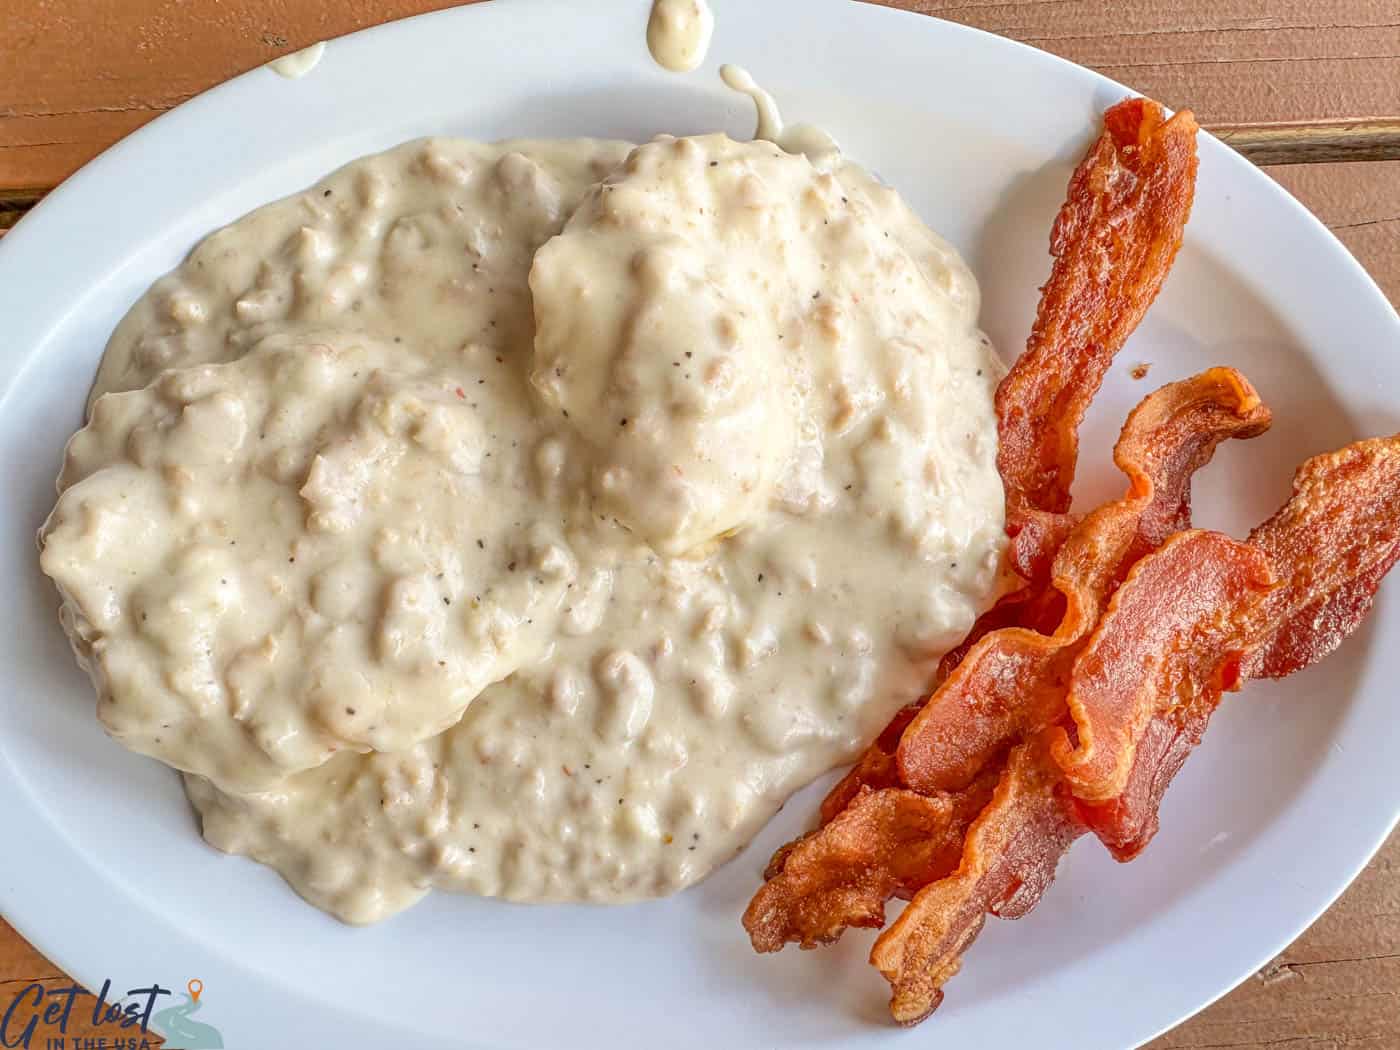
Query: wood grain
x=77 y=77
x=14 y=203
x=1290 y=82
x=1232 y=61
x=1361 y=205
x=1315 y=142
x=1337 y=986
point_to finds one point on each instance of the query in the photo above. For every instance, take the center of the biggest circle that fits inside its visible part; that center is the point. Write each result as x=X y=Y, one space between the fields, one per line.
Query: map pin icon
x=196 y=986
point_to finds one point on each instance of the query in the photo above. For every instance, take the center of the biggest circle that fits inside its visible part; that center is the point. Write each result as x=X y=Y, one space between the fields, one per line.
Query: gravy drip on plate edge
x=299 y=63
x=679 y=32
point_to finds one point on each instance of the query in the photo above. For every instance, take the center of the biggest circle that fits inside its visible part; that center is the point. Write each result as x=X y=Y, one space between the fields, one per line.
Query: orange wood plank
x=79 y=76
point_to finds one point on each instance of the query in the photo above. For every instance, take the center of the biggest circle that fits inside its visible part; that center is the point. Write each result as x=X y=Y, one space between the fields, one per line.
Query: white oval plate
x=1290 y=795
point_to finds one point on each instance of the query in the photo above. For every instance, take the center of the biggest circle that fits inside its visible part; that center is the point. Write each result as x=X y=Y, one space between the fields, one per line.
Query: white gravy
x=807 y=139
x=530 y=519
x=298 y=63
x=679 y=32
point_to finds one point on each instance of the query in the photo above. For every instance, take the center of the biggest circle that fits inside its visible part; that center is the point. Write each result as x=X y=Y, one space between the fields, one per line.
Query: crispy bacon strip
x=1128 y=823
x=1166 y=627
x=882 y=844
x=1330 y=546
x=1013 y=681
x=1335 y=539
x=1113 y=243
x=1172 y=636
x=1009 y=859
x=1035 y=538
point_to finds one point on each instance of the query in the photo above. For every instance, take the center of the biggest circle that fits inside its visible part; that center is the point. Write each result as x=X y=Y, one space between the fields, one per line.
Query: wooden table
x=1308 y=88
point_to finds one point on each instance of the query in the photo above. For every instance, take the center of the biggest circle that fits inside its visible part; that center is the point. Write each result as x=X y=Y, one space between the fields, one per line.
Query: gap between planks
x=1298 y=143
x=1313 y=143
